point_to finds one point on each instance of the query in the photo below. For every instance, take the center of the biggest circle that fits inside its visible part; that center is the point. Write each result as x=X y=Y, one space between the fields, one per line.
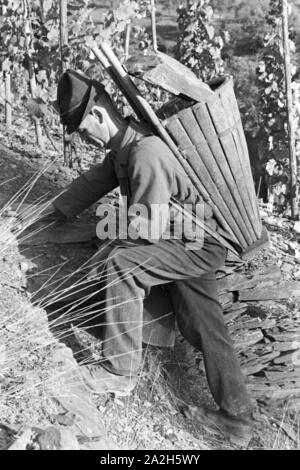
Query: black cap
x=76 y=95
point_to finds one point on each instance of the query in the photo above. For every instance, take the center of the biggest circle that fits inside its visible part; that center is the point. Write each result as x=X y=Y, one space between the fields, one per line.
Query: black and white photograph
x=149 y=228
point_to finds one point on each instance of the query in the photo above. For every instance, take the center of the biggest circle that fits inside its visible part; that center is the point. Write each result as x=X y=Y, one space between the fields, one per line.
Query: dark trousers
x=131 y=270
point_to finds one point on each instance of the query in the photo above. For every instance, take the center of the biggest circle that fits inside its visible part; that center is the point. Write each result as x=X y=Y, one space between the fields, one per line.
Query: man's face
x=94 y=128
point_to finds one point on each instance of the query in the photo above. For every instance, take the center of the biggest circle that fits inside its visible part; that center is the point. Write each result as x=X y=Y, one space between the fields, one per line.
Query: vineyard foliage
x=30 y=46
x=116 y=23
x=31 y=53
x=200 y=48
x=272 y=106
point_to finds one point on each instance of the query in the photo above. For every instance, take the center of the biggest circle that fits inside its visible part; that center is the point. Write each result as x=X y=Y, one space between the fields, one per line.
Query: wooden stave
x=204 y=194
x=214 y=144
x=230 y=103
x=213 y=168
x=225 y=135
x=240 y=142
x=175 y=128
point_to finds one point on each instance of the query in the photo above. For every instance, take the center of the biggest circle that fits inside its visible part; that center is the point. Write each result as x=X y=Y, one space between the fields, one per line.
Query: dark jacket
x=146 y=171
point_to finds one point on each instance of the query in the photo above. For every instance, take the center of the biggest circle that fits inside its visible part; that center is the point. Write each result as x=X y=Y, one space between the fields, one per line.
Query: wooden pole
x=63 y=30
x=31 y=72
x=127 y=41
x=289 y=99
x=119 y=78
x=8 y=114
x=153 y=25
x=37 y=122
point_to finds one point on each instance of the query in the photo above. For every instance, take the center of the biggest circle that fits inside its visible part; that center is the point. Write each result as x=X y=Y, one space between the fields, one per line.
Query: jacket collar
x=134 y=132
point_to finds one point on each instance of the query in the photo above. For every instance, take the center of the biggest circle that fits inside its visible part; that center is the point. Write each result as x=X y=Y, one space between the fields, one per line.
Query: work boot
x=100 y=381
x=237 y=429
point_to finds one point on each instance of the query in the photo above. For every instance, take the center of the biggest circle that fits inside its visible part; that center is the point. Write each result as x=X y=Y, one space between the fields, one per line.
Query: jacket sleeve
x=88 y=188
x=151 y=183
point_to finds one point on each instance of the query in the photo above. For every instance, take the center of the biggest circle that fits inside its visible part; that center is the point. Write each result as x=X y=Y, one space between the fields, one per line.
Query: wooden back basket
x=210 y=135
x=206 y=136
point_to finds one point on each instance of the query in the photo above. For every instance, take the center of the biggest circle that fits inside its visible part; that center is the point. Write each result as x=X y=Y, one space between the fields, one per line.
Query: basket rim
x=219 y=83
x=224 y=82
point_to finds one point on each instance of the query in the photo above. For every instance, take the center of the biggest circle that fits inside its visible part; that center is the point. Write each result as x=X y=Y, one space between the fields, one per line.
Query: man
x=149 y=175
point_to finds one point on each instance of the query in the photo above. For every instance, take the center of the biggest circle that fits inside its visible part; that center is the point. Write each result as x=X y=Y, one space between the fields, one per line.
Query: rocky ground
x=43 y=402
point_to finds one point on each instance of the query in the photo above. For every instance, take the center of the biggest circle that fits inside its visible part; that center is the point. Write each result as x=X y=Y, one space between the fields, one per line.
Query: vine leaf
x=36 y=107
